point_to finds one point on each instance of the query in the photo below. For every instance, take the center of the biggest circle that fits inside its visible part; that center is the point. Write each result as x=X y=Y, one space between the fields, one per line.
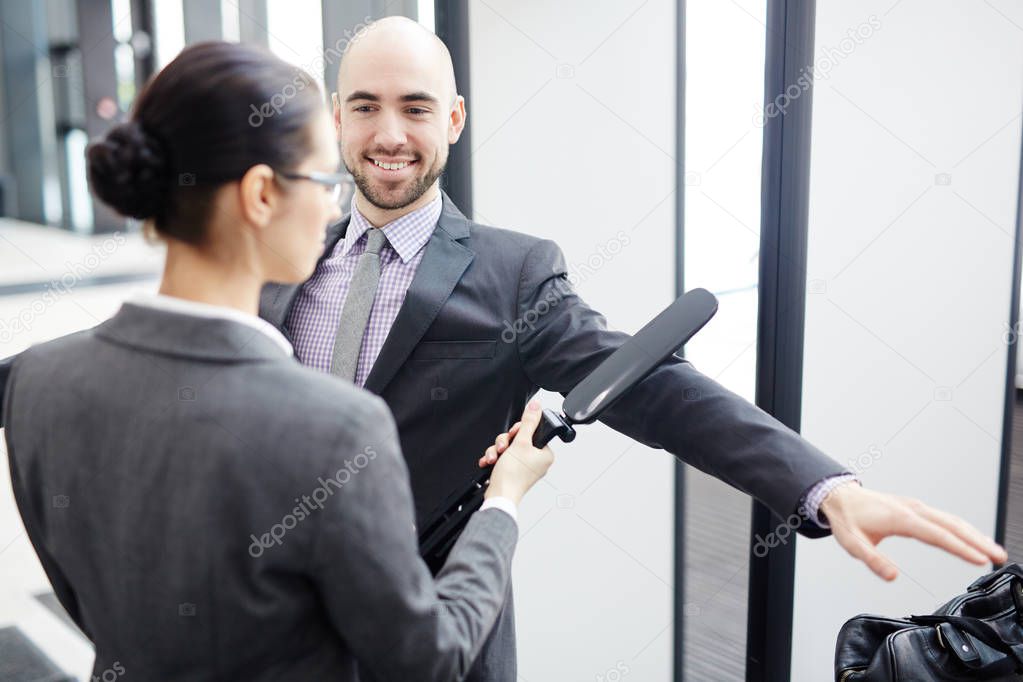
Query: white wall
x=573 y=138
x=915 y=157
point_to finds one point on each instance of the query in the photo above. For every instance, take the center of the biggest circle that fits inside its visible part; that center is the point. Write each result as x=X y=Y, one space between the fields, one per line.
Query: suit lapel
x=278 y=299
x=443 y=264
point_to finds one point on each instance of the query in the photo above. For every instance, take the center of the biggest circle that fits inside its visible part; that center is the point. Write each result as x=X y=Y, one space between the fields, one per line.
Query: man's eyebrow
x=362 y=94
x=419 y=96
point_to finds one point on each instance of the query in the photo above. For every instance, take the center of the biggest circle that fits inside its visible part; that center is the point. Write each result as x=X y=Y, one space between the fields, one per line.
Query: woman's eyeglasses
x=335 y=183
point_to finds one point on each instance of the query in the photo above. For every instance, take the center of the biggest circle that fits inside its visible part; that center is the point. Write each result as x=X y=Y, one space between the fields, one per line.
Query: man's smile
x=392 y=168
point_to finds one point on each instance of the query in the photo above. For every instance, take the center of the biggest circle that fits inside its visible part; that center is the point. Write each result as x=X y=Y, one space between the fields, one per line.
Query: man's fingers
x=864 y=550
x=915 y=525
x=965 y=532
x=860 y=520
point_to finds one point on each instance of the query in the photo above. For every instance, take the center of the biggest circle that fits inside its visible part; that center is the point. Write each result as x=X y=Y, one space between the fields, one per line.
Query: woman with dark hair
x=204 y=506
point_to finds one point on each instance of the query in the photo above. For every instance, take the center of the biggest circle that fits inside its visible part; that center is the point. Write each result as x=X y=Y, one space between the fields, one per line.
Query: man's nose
x=390 y=132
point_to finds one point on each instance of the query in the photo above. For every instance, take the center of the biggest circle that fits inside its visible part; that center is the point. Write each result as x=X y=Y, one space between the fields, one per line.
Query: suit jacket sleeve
x=398 y=620
x=561 y=340
x=29 y=499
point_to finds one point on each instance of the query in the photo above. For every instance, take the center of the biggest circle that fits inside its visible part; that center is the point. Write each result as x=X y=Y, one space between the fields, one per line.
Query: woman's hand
x=501 y=444
x=520 y=465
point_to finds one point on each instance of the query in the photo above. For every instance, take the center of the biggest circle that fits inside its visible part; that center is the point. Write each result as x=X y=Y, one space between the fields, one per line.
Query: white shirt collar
x=195 y=308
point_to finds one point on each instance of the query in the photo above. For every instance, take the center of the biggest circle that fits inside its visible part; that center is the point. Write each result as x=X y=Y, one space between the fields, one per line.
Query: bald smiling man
x=455 y=325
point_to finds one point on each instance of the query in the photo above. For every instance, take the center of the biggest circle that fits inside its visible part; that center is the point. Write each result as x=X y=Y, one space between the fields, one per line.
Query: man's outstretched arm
x=675 y=408
x=690 y=415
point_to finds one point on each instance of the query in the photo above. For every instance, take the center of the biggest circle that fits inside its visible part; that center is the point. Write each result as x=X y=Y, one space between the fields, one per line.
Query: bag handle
x=985 y=581
x=979 y=629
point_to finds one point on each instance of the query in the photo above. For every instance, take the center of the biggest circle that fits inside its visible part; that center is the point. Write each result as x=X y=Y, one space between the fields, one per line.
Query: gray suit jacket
x=489 y=318
x=208 y=509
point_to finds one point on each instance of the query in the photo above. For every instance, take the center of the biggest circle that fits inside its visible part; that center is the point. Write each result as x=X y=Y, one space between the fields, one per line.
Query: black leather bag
x=976 y=636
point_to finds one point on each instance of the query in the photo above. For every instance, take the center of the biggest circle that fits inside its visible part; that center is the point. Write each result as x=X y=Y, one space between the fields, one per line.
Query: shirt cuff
x=815 y=496
x=502 y=503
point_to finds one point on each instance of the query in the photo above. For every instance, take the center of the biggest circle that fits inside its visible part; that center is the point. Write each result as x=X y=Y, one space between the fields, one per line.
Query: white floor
x=66 y=266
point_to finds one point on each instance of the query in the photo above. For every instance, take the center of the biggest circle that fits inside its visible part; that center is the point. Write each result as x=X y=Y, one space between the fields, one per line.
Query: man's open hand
x=861 y=518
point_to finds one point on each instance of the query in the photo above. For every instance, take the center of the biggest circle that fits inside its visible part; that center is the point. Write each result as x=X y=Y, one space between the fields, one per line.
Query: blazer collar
x=451 y=219
x=182 y=335
x=444 y=262
x=443 y=265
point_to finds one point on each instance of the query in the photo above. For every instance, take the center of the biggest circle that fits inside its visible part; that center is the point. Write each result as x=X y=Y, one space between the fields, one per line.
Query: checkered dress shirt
x=314 y=318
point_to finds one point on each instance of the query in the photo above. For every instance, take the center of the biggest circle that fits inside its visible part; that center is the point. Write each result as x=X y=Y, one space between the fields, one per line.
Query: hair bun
x=129 y=171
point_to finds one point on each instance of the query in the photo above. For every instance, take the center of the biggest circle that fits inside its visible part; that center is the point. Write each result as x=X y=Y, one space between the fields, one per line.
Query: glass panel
x=295 y=30
x=169 y=25
x=425 y=10
x=725 y=45
x=230 y=14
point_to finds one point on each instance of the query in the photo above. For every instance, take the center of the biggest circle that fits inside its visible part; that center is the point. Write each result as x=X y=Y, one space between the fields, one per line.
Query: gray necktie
x=355 y=314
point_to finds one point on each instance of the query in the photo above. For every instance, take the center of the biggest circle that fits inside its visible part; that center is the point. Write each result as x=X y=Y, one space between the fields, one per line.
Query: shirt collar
x=406 y=234
x=182 y=306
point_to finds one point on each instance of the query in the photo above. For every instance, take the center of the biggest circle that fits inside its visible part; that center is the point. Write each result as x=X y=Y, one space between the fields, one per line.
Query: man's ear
x=457 y=120
x=336 y=101
x=258 y=195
